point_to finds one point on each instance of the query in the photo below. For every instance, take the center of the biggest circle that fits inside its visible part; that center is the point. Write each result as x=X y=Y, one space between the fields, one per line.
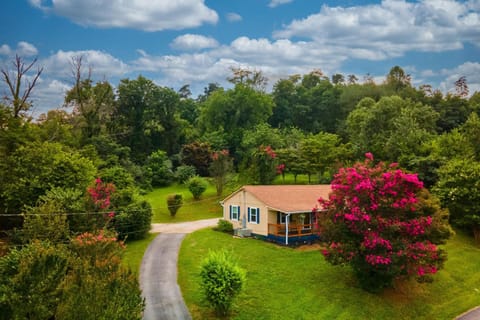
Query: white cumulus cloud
x=275 y=3
x=276 y=59
x=24 y=49
x=389 y=29
x=193 y=42
x=5 y=50
x=48 y=95
x=148 y=15
x=234 y=17
x=102 y=64
x=470 y=70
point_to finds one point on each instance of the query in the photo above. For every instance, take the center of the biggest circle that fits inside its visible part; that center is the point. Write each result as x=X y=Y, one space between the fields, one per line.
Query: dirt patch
x=404 y=291
x=310 y=247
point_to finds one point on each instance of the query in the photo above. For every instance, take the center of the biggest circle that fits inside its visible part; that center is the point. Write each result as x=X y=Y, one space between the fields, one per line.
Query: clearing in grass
x=207 y=207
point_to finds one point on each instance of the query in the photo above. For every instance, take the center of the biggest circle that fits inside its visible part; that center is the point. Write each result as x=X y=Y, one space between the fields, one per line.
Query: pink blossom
x=369 y=208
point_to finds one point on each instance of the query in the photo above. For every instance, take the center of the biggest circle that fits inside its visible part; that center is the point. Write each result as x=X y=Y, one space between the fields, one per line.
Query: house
x=280 y=213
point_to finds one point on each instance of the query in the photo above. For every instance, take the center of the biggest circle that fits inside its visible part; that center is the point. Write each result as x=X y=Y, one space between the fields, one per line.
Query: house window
x=282 y=219
x=234 y=212
x=254 y=215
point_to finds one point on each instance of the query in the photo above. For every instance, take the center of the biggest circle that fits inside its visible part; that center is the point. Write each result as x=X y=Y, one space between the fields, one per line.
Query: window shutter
x=248 y=214
x=230 y=212
x=278 y=218
x=258 y=215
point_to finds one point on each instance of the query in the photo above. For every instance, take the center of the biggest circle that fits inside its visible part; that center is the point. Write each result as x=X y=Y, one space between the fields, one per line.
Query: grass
x=206 y=208
x=133 y=254
x=286 y=283
x=290 y=179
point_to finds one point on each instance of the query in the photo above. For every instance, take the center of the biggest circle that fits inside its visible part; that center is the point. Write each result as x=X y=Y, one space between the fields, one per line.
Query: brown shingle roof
x=289 y=198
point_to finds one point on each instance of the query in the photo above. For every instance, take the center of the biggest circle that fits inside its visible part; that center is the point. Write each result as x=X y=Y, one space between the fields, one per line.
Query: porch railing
x=294 y=230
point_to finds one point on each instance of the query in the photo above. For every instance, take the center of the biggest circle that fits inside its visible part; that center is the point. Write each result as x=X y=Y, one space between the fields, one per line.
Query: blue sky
x=197 y=41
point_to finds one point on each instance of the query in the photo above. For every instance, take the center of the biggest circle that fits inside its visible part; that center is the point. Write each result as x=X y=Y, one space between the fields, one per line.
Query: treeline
x=140 y=135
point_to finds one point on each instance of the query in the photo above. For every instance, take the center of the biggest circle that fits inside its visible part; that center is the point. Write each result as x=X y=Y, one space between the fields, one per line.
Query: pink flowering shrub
x=99 y=204
x=264 y=165
x=101 y=248
x=100 y=194
x=374 y=221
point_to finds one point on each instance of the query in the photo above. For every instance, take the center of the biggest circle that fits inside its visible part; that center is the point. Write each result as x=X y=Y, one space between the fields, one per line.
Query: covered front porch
x=293 y=228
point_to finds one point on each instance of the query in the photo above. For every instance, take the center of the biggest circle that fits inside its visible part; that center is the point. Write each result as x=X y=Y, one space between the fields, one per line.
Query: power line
x=106 y=212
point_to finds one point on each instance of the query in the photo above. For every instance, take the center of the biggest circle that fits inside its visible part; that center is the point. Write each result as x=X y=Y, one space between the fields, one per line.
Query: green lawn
x=206 y=208
x=285 y=283
x=133 y=254
x=290 y=179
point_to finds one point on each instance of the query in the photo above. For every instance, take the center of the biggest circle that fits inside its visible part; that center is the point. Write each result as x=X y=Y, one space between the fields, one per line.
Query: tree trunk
x=476 y=234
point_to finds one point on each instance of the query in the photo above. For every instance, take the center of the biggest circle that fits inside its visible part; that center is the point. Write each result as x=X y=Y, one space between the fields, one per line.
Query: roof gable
x=287 y=198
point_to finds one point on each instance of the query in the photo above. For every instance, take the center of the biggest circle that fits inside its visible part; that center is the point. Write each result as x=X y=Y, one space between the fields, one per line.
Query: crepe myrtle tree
x=263 y=164
x=378 y=221
x=220 y=167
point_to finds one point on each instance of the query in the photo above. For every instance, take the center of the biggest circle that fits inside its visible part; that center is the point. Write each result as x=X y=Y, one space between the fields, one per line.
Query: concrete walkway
x=158 y=272
x=473 y=314
x=183 y=227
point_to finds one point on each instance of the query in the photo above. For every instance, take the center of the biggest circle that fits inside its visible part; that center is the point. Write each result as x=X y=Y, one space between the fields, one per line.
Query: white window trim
x=257 y=211
x=238 y=213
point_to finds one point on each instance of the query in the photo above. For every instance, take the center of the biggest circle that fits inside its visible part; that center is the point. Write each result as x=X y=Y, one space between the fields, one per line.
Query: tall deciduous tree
x=234 y=111
x=220 y=168
x=338 y=78
x=461 y=87
x=262 y=134
x=261 y=166
x=19 y=97
x=393 y=128
x=376 y=222
x=92 y=104
x=160 y=168
x=38 y=167
x=458 y=188
x=146 y=117
x=284 y=95
x=453 y=111
x=397 y=79
x=198 y=155
x=310 y=97
x=252 y=78
x=471 y=130
x=321 y=152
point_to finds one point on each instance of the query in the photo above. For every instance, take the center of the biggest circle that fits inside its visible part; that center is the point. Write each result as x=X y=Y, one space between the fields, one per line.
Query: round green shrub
x=197 y=186
x=224 y=226
x=174 y=202
x=222 y=280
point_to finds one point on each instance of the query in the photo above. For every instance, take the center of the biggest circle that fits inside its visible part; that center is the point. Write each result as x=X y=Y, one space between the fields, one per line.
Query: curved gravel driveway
x=158 y=272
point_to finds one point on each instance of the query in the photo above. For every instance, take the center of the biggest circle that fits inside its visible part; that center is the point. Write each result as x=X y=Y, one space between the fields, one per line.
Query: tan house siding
x=270 y=200
x=246 y=200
